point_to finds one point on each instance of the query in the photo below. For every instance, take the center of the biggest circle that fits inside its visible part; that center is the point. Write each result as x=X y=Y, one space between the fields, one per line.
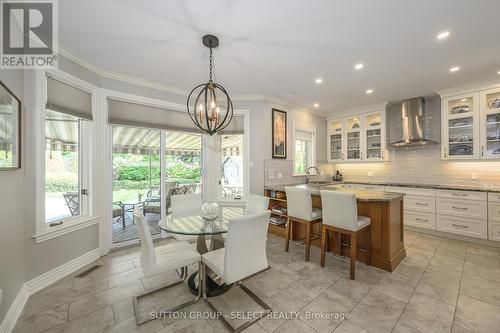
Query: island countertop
x=361 y=195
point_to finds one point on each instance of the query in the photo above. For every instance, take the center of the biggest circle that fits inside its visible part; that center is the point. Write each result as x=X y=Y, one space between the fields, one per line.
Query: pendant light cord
x=210 y=65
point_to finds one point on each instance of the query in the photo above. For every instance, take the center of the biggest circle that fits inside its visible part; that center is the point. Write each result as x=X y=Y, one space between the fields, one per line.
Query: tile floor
x=443 y=285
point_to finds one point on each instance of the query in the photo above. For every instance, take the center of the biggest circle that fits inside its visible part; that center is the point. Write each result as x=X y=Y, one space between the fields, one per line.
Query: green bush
x=134 y=184
x=181 y=171
x=61 y=185
x=137 y=173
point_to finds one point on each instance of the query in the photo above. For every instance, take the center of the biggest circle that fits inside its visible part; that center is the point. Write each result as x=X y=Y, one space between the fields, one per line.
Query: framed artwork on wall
x=10 y=129
x=279 y=133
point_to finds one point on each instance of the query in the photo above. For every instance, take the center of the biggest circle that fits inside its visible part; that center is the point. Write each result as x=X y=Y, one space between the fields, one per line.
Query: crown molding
x=70 y=55
x=363 y=109
x=484 y=85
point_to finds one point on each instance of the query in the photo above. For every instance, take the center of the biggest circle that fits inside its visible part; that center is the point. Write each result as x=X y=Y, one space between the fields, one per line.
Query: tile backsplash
x=279 y=172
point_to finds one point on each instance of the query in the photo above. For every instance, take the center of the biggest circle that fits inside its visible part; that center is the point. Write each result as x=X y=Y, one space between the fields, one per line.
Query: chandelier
x=212 y=109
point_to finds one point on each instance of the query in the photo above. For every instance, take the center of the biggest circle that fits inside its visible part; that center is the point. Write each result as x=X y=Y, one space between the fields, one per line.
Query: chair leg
x=308 y=241
x=368 y=249
x=267 y=308
x=354 y=245
x=135 y=300
x=324 y=239
x=288 y=229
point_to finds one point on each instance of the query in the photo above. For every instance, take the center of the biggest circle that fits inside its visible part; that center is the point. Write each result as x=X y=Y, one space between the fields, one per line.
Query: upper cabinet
x=471 y=125
x=358 y=138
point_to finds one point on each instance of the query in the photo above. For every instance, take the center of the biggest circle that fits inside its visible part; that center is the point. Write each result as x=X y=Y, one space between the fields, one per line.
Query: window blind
x=303 y=135
x=139 y=115
x=67 y=99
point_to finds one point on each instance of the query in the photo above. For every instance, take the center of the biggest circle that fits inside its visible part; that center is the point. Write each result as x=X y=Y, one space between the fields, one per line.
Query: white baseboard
x=31 y=287
x=15 y=311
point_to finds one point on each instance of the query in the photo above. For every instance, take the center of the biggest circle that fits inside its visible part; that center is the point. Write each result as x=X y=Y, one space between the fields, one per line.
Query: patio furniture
x=119 y=211
x=73 y=202
x=152 y=202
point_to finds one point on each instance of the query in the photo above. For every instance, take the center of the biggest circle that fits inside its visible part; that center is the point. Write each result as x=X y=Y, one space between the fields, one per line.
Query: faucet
x=308 y=174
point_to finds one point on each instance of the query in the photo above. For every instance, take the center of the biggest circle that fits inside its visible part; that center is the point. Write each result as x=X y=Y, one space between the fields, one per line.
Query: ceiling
x=278 y=48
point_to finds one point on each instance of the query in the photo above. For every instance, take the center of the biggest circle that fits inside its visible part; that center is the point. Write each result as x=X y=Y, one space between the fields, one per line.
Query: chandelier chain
x=210 y=66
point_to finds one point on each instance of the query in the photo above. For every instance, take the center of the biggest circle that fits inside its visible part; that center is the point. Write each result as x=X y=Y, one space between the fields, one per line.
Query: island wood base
x=386 y=233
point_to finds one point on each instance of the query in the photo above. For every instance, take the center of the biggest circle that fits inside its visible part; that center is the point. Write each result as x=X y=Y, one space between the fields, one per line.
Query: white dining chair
x=256 y=204
x=186 y=205
x=169 y=257
x=300 y=210
x=340 y=214
x=243 y=256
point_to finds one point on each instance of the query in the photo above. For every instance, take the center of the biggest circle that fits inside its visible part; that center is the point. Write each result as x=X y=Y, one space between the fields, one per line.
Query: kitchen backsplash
x=281 y=172
x=422 y=165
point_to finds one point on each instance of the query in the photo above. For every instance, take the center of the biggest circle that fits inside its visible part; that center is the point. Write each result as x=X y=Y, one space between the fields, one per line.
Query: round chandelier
x=212 y=109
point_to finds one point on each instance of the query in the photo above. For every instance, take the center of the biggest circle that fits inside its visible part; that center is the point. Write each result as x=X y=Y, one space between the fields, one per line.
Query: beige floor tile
x=483 y=271
x=446 y=266
x=295 y=326
x=106 y=298
x=91 y=323
x=483 y=250
x=125 y=277
x=428 y=314
x=481 y=288
x=315 y=282
x=158 y=280
x=403 y=328
x=490 y=261
x=43 y=320
x=377 y=312
x=352 y=289
x=477 y=316
x=347 y=327
x=326 y=311
x=420 y=253
x=286 y=301
x=457 y=253
x=394 y=288
x=412 y=269
x=130 y=326
x=124 y=310
x=440 y=287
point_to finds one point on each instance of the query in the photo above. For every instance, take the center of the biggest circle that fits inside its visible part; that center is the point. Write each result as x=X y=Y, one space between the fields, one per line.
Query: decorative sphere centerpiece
x=209 y=210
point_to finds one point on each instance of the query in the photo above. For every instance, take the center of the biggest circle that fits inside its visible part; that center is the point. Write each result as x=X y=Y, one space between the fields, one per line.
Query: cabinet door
x=490 y=123
x=354 y=142
x=335 y=141
x=460 y=127
x=374 y=136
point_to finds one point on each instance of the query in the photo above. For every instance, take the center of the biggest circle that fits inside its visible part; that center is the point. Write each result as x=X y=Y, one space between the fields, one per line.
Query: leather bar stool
x=340 y=214
x=300 y=210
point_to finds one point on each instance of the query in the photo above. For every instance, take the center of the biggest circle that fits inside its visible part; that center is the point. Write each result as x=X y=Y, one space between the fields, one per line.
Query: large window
x=304 y=148
x=232 y=167
x=67 y=118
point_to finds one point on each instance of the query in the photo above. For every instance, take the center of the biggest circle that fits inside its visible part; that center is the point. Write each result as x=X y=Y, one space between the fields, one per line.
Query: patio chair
x=152 y=202
x=119 y=211
x=73 y=202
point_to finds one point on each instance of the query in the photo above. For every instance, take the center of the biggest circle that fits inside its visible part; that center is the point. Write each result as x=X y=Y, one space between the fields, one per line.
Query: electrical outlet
x=279 y=175
x=473 y=175
x=370 y=173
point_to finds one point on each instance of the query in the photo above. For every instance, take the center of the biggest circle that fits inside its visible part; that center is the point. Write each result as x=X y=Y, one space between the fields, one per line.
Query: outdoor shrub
x=137 y=173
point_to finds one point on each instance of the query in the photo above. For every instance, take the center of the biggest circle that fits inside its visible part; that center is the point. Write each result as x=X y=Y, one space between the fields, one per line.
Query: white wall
x=12 y=207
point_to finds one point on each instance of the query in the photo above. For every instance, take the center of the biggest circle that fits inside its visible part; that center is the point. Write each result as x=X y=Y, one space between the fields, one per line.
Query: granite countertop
x=413 y=185
x=361 y=195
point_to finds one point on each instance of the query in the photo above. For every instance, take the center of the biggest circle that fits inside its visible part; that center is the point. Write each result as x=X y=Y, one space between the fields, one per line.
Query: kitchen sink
x=319 y=182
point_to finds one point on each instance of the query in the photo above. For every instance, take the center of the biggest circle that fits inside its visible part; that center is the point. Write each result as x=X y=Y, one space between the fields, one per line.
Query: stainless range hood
x=413 y=122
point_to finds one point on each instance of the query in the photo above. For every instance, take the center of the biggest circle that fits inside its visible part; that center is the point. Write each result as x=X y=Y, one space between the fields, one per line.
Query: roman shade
x=303 y=135
x=139 y=115
x=236 y=126
x=67 y=99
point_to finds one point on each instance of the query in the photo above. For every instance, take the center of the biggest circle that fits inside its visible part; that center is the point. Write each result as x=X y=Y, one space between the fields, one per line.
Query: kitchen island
x=385 y=210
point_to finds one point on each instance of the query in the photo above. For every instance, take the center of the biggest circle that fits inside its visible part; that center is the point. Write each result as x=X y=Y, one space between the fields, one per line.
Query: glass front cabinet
x=358 y=138
x=471 y=125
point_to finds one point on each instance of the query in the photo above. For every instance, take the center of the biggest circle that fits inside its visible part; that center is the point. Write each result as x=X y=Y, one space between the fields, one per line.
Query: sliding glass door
x=136 y=180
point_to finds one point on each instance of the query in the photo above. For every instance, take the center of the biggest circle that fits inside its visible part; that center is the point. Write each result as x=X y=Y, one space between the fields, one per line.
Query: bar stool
x=300 y=210
x=340 y=214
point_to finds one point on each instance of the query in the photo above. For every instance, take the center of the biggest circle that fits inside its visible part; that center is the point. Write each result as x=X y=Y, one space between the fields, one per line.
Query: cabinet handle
x=423 y=220
x=482 y=151
x=459 y=194
x=444 y=152
x=421 y=204
x=460 y=226
x=459 y=208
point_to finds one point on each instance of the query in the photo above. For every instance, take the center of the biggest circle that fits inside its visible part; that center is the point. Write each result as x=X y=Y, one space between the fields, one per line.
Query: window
x=304 y=148
x=232 y=166
x=66 y=160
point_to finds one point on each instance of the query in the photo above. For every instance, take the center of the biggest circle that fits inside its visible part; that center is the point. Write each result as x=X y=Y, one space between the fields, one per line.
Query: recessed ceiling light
x=463 y=100
x=359 y=66
x=318 y=80
x=454 y=69
x=443 y=35
x=316 y=105
x=369 y=91
x=498 y=72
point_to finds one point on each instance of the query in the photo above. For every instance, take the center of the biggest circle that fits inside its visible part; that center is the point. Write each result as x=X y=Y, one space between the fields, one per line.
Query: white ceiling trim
x=170 y=89
x=363 y=109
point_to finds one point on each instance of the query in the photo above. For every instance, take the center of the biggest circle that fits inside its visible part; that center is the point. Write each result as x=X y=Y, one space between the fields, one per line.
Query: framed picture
x=10 y=129
x=279 y=133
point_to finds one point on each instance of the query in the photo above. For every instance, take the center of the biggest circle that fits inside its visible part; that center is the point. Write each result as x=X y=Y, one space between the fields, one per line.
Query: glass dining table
x=203 y=229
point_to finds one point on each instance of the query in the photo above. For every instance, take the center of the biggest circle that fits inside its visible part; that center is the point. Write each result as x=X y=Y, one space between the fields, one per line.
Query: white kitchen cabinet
x=471 y=124
x=489 y=112
x=462 y=208
x=462 y=226
x=494 y=231
x=460 y=128
x=420 y=219
x=357 y=138
x=494 y=212
x=460 y=194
